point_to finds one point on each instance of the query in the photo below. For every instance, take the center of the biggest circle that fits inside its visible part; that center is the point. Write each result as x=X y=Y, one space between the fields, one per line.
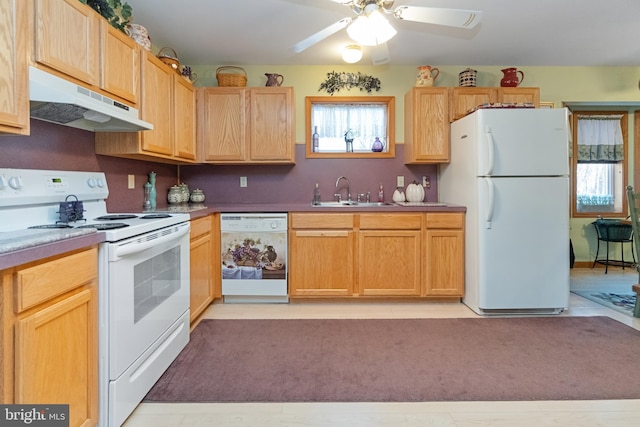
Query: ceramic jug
x=427 y=75
x=467 y=78
x=274 y=79
x=510 y=78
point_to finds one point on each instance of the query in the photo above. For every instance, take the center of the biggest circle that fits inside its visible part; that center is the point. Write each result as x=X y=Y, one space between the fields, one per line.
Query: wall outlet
x=400 y=181
x=425 y=182
x=243 y=181
x=131 y=182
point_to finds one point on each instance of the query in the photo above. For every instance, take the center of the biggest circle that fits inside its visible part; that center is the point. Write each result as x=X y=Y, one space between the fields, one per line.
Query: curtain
x=600 y=139
x=366 y=122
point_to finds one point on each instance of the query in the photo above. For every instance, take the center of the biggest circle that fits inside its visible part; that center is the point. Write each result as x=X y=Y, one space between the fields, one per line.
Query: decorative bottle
x=377 y=146
x=152 y=191
x=147 y=196
x=316 y=139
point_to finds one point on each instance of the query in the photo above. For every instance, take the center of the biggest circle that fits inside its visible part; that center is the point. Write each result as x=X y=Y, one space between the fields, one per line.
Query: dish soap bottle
x=381 y=194
x=316 y=195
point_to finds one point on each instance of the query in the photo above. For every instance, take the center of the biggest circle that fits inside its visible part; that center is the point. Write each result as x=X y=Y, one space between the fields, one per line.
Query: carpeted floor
x=405 y=360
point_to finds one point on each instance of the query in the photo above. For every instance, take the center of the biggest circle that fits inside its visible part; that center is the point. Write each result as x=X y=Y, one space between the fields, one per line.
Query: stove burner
x=155 y=216
x=51 y=226
x=105 y=226
x=116 y=217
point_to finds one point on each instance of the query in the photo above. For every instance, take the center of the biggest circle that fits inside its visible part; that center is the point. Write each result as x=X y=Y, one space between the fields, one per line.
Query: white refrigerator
x=510 y=168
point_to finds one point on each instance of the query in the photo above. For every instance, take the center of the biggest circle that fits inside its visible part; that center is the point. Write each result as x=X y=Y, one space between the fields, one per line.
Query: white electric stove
x=143 y=277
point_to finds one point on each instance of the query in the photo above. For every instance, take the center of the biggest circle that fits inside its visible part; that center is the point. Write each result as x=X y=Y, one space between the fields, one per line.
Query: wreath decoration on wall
x=336 y=81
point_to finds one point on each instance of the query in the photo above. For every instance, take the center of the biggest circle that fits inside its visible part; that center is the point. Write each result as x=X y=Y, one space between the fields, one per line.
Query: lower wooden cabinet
x=444 y=254
x=202 y=265
x=54 y=352
x=321 y=255
x=376 y=255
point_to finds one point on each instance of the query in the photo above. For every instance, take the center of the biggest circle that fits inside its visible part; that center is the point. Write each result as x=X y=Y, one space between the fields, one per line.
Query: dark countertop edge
x=307 y=208
x=39 y=252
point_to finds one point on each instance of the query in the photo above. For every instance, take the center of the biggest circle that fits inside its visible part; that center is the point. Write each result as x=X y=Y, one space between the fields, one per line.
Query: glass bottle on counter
x=147 y=196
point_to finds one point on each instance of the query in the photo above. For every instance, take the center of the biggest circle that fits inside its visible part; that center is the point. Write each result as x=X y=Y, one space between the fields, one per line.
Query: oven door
x=148 y=291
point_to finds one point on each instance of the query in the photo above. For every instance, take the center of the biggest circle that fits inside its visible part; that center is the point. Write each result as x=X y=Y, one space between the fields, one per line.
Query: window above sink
x=347 y=126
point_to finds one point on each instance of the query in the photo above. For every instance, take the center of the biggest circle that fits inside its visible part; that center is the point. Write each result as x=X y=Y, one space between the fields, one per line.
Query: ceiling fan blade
x=320 y=35
x=431 y=15
x=380 y=54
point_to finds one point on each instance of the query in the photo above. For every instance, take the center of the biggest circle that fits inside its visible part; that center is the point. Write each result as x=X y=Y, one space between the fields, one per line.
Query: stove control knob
x=92 y=182
x=100 y=182
x=3 y=181
x=15 y=182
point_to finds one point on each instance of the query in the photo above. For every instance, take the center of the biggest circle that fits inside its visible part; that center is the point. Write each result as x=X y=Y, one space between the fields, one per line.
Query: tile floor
x=617 y=413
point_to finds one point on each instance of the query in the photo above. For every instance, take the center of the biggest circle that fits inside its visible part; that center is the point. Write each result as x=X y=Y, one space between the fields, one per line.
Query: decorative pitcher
x=274 y=79
x=510 y=78
x=427 y=75
x=467 y=78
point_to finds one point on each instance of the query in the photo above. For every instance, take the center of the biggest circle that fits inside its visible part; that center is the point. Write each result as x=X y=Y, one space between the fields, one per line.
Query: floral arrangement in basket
x=336 y=81
x=247 y=253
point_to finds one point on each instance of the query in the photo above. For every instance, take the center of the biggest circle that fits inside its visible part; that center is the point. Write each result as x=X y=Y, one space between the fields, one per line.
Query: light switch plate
x=131 y=182
x=243 y=181
x=400 y=181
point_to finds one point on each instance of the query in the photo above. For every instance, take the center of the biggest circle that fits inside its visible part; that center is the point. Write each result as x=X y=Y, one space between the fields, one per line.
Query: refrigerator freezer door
x=522 y=142
x=523 y=243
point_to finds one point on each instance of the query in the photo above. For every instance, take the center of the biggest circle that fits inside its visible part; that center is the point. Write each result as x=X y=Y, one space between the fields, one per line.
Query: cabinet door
x=464 y=99
x=272 y=129
x=157 y=105
x=120 y=63
x=14 y=96
x=389 y=262
x=67 y=38
x=57 y=359
x=184 y=119
x=321 y=263
x=444 y=254
x=427 y=125
x=201 y=262
x=222 y=124
x=520 y=95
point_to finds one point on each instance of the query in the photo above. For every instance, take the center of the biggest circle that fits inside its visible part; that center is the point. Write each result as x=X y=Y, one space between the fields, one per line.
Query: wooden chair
x=634 y=211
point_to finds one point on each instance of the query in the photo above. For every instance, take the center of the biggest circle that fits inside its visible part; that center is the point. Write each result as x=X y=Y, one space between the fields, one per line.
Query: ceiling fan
x=371 y=28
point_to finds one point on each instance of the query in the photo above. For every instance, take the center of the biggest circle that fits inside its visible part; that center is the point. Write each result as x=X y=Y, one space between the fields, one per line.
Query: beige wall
x=557 y=84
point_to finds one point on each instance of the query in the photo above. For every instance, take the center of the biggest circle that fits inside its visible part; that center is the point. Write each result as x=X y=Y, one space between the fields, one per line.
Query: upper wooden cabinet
x=167 y=101
x=246 y=125
x=14 y=95
x=67 y=38
x=464 y=99
x=120 y=58
x=426 y=125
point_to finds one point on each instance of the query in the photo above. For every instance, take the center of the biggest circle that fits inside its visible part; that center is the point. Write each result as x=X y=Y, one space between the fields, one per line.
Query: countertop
x=23 y=246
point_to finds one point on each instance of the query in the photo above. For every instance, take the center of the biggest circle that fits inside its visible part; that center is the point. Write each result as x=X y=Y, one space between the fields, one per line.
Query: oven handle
x=135 y=246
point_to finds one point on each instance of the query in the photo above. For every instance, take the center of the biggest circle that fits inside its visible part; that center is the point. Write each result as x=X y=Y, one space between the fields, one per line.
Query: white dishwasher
x=254 y=257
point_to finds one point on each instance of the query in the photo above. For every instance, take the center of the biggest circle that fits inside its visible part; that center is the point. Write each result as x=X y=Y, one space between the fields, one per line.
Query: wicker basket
x=236 y=78
x=169 y=57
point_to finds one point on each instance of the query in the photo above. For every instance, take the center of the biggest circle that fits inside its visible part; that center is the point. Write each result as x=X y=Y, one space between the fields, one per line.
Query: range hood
x=56 y=100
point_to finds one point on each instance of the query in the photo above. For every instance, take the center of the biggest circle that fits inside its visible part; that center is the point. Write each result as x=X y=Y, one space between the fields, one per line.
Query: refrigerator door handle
x=490 y=193
x=490 y=152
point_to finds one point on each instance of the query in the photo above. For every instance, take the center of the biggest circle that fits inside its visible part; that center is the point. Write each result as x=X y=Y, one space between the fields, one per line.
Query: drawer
x=41 y=282
x=200 y=226
x=445 y=220
x=321 y=221
x=381 y=221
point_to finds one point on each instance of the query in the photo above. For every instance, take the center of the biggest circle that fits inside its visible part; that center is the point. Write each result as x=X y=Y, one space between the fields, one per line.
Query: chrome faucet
x=348 y=188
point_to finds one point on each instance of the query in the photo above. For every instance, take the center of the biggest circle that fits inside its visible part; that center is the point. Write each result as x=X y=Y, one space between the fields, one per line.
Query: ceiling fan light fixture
x=371 y=29
x=352 y=53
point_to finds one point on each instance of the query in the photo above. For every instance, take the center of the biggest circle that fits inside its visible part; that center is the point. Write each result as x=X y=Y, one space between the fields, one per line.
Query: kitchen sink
x=352 y=204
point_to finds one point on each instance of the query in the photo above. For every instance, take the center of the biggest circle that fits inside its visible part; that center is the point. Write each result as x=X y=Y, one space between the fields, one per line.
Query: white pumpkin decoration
x=415 y=192
x=398 y=196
